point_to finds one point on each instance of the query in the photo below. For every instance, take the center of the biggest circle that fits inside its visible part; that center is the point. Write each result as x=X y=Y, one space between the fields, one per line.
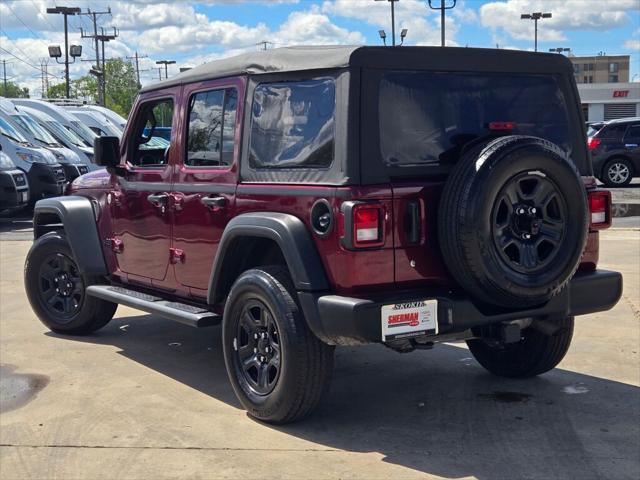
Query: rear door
x=203 y=195
x=632 y=145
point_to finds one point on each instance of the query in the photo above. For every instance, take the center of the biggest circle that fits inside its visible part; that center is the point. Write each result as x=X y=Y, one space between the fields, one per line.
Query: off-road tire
x=606 y=175
x=91 y=313
x=467 y=230
x=306 y=363
x=536 y=353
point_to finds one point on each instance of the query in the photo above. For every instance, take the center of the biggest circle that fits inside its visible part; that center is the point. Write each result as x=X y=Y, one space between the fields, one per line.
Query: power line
x=44 y=16
x=35 y=35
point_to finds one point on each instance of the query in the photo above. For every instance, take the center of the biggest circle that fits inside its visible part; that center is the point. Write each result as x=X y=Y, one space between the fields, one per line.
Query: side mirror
x=106 y=151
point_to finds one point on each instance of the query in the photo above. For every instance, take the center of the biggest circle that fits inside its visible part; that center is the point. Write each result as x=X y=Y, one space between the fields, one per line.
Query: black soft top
x=306 y=58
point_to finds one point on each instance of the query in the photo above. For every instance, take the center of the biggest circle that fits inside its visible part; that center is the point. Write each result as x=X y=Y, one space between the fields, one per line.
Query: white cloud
x=632 y=44
x=415 y=15
x=567 y=15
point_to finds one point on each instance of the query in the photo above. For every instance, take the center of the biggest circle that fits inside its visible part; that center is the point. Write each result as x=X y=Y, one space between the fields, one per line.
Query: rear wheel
x=534 y=354
x=56 y=289
x=277 y=367
x=617 y=172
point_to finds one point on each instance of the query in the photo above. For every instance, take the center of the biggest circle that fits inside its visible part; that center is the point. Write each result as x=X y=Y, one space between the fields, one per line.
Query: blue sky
x=193 y=33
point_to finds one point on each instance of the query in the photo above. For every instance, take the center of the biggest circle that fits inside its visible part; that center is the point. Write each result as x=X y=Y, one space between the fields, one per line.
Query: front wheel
x=56 y=289
x=278 y=368
x=534 y=354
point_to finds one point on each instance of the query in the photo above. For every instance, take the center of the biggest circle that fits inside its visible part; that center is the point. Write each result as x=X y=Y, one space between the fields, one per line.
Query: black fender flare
x=78 y=219
x=289 y=233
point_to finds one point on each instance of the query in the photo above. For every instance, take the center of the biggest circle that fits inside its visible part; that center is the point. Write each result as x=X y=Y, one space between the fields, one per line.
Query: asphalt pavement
x=148 y=398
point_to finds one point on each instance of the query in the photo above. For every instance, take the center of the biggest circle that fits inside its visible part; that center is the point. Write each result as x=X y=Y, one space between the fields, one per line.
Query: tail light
x=593 y=143
x=503 y=125
x=600 y=208
x=363 y=225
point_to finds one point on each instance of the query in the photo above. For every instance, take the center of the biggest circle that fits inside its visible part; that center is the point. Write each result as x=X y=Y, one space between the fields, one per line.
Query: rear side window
x=292 y=125
x=633 y=134
x=212 y=126
x=613 y=132
x=426 y=118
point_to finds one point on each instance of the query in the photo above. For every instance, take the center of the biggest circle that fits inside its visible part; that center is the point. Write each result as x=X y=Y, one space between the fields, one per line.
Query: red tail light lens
x=361 y=224
x=503 y=125
x=593 y=143
x=600 y=208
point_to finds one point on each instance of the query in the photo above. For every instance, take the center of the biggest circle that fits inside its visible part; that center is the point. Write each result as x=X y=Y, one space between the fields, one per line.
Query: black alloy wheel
x=61 y=287
x=529 y=222
x=257 y=348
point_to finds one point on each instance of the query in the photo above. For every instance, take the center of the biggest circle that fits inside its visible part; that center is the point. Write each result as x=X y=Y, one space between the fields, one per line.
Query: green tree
x=13 y=90
x=121 y=86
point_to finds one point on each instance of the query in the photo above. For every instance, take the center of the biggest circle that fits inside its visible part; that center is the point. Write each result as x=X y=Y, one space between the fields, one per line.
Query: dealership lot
x=148 y=398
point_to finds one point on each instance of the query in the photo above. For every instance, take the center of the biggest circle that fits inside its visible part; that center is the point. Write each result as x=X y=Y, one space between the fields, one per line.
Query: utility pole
x=4 y=77
x=136 y=57
x=166 y=64
x=393 y=20
x=99 y=77
x=535 y=17
x=44 y=68
x=65 y=11
x=264 y=44
x=442 y=7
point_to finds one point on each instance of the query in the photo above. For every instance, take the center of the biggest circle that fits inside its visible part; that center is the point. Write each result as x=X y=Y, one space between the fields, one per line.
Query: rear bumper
x=341 y=320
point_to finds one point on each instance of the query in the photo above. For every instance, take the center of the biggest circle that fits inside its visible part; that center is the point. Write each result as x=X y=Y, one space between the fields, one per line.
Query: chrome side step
x=179 y=312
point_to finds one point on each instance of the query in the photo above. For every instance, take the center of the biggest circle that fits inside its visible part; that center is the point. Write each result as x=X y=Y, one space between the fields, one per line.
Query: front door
x=139 y=202
x=203 y=195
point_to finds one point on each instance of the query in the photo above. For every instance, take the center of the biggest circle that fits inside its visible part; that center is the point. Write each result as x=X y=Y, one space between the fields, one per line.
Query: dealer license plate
x=24 y=197
x=412 y=319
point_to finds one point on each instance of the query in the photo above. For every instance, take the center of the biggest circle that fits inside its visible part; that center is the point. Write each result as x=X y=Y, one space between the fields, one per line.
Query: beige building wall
x=601 y=69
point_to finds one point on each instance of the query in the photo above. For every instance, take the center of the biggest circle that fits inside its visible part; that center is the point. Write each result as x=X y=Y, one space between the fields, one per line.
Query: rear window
x=292 y=125
x=427 y=117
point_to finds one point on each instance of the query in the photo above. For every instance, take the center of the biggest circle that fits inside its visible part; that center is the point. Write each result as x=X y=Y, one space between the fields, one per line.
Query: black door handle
x=158 y=199
x=214 y=202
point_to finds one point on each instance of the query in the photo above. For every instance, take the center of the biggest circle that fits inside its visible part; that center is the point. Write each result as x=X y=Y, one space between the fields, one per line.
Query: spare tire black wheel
x=513 y=221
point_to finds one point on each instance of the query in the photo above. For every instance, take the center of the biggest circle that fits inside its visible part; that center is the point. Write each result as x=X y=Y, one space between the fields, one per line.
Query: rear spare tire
x=513 y=221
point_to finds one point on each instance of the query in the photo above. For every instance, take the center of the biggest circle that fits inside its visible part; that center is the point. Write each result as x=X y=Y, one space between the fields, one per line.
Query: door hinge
x=176 y=255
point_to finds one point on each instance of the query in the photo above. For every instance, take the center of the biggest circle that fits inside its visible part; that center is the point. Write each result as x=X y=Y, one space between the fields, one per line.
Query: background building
x=601 y=68
x=605 y=101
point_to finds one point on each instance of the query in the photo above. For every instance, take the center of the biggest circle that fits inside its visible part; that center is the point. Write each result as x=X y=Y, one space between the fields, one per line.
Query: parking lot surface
x=149 y=398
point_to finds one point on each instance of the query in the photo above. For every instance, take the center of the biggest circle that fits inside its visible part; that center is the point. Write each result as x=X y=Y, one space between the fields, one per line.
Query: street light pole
x=535 y=17
x=393 y=20
x=443 y=6
x=65 y=11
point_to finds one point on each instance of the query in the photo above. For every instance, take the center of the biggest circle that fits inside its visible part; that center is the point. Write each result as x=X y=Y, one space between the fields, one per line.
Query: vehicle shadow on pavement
x=436 y=412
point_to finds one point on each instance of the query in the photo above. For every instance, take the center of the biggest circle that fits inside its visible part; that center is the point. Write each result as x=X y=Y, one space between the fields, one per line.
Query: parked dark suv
x=320 y=196
x=615 y=150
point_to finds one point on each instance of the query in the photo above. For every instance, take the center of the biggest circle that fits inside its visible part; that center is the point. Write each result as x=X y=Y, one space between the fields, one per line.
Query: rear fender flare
x=292 y=237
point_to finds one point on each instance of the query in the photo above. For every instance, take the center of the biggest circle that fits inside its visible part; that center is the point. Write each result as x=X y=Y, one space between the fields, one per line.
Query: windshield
x=84 y=132
x=112 y=130
x=67 y=137
x=9 y=131
x=427 y=118
x=35 y=129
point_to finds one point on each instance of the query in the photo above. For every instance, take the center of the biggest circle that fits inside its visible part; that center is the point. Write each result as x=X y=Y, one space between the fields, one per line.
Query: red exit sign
x=620 y=93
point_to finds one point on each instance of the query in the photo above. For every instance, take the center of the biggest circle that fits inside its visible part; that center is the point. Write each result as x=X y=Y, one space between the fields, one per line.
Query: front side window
x=427 y=118
x=212 y=126
x=292 y=125
x=150 y=150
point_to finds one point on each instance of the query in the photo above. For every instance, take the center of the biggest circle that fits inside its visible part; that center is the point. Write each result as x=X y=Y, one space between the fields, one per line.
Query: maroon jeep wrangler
x=320 y=196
